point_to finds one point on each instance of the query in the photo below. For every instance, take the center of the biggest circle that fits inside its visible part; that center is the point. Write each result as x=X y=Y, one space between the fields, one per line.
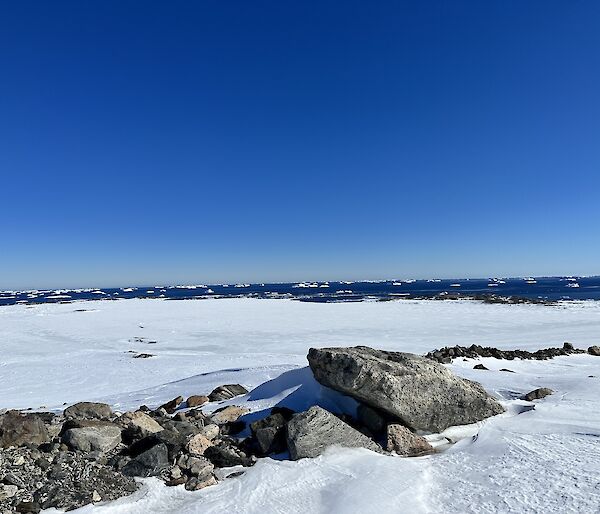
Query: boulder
x=197 y=401
x=140 y=423
x=198 y=467
x=480 y=366
x=17 y=429
x=270 y=433
x=88 y=410
x=148 y=463
x=421 y=393
x=103 y=437
x=594 y=350
x=210 y=431
x=171 y=407
x=537 y=394
x=226 y=454
x=404 y=442
x=228 y=414
x=311 y=432
x=226 y=392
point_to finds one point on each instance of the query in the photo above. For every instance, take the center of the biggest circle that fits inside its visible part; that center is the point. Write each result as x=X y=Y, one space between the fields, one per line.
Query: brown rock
x=537 y=394
x=404 y=442
x=228 y=414
x=198 y=444
x=196 y=401
x=171 y=406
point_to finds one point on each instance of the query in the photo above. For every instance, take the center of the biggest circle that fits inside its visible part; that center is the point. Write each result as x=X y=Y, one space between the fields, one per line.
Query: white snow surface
x=542 y=460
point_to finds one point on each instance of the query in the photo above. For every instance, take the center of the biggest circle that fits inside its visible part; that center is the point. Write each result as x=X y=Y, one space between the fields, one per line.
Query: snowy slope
x=544 y=460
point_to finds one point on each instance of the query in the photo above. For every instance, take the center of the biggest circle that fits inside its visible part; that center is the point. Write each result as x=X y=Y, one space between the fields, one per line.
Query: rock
x=226 y=392
x=7 y=491
x=228 y=414
x=537 y=394
x=140 y=423
x=199 y=467
x=28 y=507
x=310 y=432
x=171 y=407
x=210 y=431
x=88 y=410
x=197 y=401
x=594 y=350
x=193 y=484
x=480 y=366
x=270 y=433
x=102 y=438
x=507 y=370
x=197 y=445
x=148 y=463
x=17 y=429
x=225 y=454
x=420 y=392
x=568 y=347
x=403 y=442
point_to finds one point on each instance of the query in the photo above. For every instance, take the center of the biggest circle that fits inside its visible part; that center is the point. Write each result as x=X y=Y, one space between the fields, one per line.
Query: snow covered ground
x=541 y=460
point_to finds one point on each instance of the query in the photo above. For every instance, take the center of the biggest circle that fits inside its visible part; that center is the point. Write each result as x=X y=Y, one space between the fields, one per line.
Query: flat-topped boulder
x=422 y=394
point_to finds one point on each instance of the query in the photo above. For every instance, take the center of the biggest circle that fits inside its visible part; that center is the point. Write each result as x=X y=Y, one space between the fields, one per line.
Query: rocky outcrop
x=421 y=393
x=447 y=354
x=310 y=433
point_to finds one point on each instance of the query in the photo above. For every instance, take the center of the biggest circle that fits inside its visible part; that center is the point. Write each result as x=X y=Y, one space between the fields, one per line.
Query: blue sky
x=153 y=142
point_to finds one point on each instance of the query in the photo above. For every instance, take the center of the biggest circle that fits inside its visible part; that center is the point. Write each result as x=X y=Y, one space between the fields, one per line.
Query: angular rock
x=139 y=422
x=480 y=366
x=421 y=393
x=311 y=432
x=149 y=463
x=210 y=431
x=270 y=433
x=101 y=438
x=403 y=442
x=17 y=429
x=199 y=467
x=197 y=401
x=197 y=445
x=171 y=406
x=226 y=392
x=537 y=394
x=88 y=410
x=228 y=414
x=225 y=454
x=594 y=350
x=194 y=484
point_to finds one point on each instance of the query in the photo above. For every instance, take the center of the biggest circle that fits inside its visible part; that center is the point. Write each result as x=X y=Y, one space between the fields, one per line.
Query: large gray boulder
x=311 y=432
x=101 y=437
x=88 y=410
x=420 y=393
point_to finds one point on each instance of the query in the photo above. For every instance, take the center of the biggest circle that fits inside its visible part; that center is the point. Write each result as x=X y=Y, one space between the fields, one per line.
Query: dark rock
x=149 y=463
x=284 y=411
x=537 y=394
x=568 y=347
x=480 y=366
x=594 y=350
x=171 y=406
x=226 y=392
x=28 y=508
x=421 y=393
x=225 y=454
x=17 y=429
x=311 y=432
x=88 y=410
x=270 y=433
x=403 y=442
x=371 y=418
x=507 y=370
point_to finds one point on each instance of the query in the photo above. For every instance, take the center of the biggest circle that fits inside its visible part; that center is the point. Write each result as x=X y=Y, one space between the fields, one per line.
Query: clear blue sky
x=168 y=142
